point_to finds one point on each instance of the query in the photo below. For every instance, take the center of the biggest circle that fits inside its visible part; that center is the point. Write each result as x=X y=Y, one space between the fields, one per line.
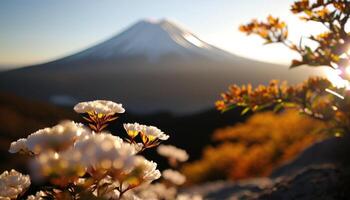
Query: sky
x=37 y=31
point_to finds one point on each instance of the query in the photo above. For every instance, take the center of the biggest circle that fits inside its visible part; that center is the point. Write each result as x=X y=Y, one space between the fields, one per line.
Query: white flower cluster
x=161 y=191
x=148 y=169
x=108 y=191
x=99 y=107
x=174 y=177
x=99 y=163
x=62 y=167
x=150 y=132
x=103 y=151
x=156 y=191
x=99 y=155
x=19 y=146
x=13 y=184
x=188 y=197
x=40 y=195
x=172 y=152
x=68 y=150
x=56 y=138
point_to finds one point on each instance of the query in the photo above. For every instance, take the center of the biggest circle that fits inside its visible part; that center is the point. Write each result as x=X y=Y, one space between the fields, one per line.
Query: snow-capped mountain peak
x=153 y=39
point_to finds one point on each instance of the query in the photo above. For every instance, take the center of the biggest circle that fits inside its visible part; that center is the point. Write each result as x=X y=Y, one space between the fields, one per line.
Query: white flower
x=174 y=176
x=133 y=129
x=61 y=168
x=152 y=133
x=128 y=196
x=188 y=197
x=105 y=151
x=156 y=191
x=172 y=152
x=99 y=107
x=59 y=137
x=19 y=146
x=142 y=172
x=38 y=196
x=80 y=181
x=148 y=168
x=106 y=188
x=12 y=184
x=107 y=154
x=111 y=194
x=131 y=197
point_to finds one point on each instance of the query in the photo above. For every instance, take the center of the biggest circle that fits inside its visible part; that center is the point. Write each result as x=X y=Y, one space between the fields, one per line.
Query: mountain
x=151 y=66
x=152 y=39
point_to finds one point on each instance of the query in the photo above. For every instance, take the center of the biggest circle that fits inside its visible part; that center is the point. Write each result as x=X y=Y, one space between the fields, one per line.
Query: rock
x=321 y=182
x=333 y=150
x=320 y=172
x=325 y=182
x=221 y=190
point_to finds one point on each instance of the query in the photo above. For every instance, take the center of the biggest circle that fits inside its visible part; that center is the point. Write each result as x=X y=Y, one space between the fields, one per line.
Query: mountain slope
x=151 y=66
x=152 y=39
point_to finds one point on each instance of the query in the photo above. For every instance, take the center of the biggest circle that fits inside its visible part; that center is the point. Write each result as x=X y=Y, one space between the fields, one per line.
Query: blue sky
x=35 y=31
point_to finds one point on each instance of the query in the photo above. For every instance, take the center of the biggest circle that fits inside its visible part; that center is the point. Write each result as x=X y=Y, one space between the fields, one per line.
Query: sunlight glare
x=56 y=156
x=335 y=94
x=335 y=79
x=194 y=40
x=347 y=70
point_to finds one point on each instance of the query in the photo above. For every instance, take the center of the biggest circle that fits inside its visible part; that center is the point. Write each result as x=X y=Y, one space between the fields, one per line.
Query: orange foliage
x=256 y=147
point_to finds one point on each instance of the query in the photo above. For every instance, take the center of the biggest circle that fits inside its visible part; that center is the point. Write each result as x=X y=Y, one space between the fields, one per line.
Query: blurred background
x=167 y=62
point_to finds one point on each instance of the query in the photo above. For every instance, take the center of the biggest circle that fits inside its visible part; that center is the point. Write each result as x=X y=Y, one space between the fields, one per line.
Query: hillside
x=20 y=117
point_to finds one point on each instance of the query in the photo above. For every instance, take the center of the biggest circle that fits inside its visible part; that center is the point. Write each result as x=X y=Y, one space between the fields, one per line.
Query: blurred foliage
x=317 y=97
x=331 y=46
x=256 y=147
x=268 y=140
